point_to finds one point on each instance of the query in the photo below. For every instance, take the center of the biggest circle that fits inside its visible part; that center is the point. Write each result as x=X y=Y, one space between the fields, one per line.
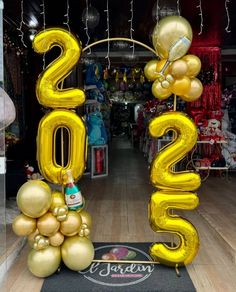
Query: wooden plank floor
x=118 y=205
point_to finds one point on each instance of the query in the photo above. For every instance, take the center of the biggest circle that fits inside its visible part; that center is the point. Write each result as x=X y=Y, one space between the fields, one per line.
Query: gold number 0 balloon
x=46 y=148
x=162 y=175
x=47 y=90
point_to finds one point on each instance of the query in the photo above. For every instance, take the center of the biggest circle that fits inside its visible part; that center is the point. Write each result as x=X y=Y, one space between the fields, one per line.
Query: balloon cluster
x=53 y=232
x=175 y=72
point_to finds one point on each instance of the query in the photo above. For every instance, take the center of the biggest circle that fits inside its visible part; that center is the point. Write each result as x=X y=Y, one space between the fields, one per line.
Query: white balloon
x=7 y=110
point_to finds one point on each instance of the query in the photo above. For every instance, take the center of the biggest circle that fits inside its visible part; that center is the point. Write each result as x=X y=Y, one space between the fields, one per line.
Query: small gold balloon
x=165 y=84
x=31 y=237
x=57 y=239
x=194 y=92
x=71 y=225
x=48 y=224
x=86 y=218
x=23 y=225
x=159 y=92
x=194 y=65
x=178 y=68
x=150 y=70
x=181 y=86
x=170 y=79
x=77 y=253
x=45 y=262
x=58 y=200
x=34 y=198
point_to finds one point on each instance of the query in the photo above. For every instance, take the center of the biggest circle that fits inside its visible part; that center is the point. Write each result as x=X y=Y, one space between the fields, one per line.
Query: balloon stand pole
x=175 y=102
x=62 y=155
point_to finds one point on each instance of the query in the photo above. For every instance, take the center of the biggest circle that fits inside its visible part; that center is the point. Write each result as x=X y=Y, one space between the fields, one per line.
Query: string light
x=201 y=15
x=86 y=28
x=228 y=18
x=178 y=8
x=44 y=27
x=157 y=11
x=108 y=35
x=67 y=15
x=21 y=35
x=131 y=24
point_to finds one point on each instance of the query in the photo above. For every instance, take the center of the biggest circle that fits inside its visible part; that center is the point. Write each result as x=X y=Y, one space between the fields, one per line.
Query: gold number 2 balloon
x=173 y=190
x=49 y=94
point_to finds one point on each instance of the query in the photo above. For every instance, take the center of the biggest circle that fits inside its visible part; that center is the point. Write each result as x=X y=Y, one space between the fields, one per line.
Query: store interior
x=119 y=107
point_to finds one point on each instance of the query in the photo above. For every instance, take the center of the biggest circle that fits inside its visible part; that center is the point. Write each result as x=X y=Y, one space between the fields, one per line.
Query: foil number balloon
x=173 y=190
x=49 y=95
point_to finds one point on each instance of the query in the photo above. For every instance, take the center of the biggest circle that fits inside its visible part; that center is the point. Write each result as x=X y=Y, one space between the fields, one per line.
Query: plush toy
x=212 y=131
x=93 y=75
x=96 y=130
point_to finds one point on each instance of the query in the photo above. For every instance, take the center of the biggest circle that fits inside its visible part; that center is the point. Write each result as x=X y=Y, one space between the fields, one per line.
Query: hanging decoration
x=21 y=35
x=178 y=7
x=108 y=35
x=44 y=27
x=85 y=18
x=90 y=16
x=131 y=25
x=67 y=15
x=228 y=17
x=201 y=16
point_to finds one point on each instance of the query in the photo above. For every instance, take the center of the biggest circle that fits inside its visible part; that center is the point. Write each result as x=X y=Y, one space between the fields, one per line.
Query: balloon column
x=57 y=228
x=175 y=73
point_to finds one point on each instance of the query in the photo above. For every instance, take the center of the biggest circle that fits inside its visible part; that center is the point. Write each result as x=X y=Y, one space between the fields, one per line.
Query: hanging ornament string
x=21 y=35
x=228 y=17
x=108 y=36
x=67 y=15
x=44 y=27
x=201 y=15
x=131 y=24
x=86 y=28
x=178 y=7
x=157 y=11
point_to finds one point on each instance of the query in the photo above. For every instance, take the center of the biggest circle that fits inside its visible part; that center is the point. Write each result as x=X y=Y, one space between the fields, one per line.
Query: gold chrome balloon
x=71 y=225
x=178 y=68
x=161 y=220
x=194 y=92
x=181 y=86
x=194 y=65
x=48 y=224
x=40 y=242
x=47 y=88
x=185 y=137
x=86 y=218
x=23 y=225
x=172 y=37
x=34 y=198
x=31 y=237
x=57 y=239
x=46 y=148
x=159 y=92
x=45 y=262
x=77 y=253
x=150 y=70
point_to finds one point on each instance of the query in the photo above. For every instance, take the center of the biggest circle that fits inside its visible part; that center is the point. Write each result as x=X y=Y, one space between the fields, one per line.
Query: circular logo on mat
x=115 y=274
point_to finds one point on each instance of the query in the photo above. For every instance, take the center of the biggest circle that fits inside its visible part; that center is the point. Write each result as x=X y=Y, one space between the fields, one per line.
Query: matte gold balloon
x=48 y=224
x=150 y=70
x=172 y=37
x=194 y=65
x=23 y=225
x=162 y=174
x=58 y=200
x=178 y=68
x=46 y=146
x=71 y=225
x=77 y=253
x=86 y=218
x=159 y=92
x=47 y=89
x=57 y=239
x=181 y=86
x=31 y=237
x=45 y=262
x=194 y=92
x=34 y=198
x=161 y=220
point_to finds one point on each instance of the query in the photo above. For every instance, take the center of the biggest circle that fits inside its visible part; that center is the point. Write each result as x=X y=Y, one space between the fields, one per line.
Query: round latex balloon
x=7 y=110
x=57 y=239
x=159 y=92
x=77 y=253
x=86 y=218
x=178 y=68
x=58 y=200
x=181 y=86
x=23 y=225
x=45 y=262
x=48 y=224
x=194 y=65
x=34 y=198
x=150 y=70
x=172 y=37
x=31 y=237
x=194 y=92
x=71 y=225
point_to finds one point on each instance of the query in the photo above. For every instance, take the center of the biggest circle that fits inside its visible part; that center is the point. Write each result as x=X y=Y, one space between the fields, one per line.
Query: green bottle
x=73 y=196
